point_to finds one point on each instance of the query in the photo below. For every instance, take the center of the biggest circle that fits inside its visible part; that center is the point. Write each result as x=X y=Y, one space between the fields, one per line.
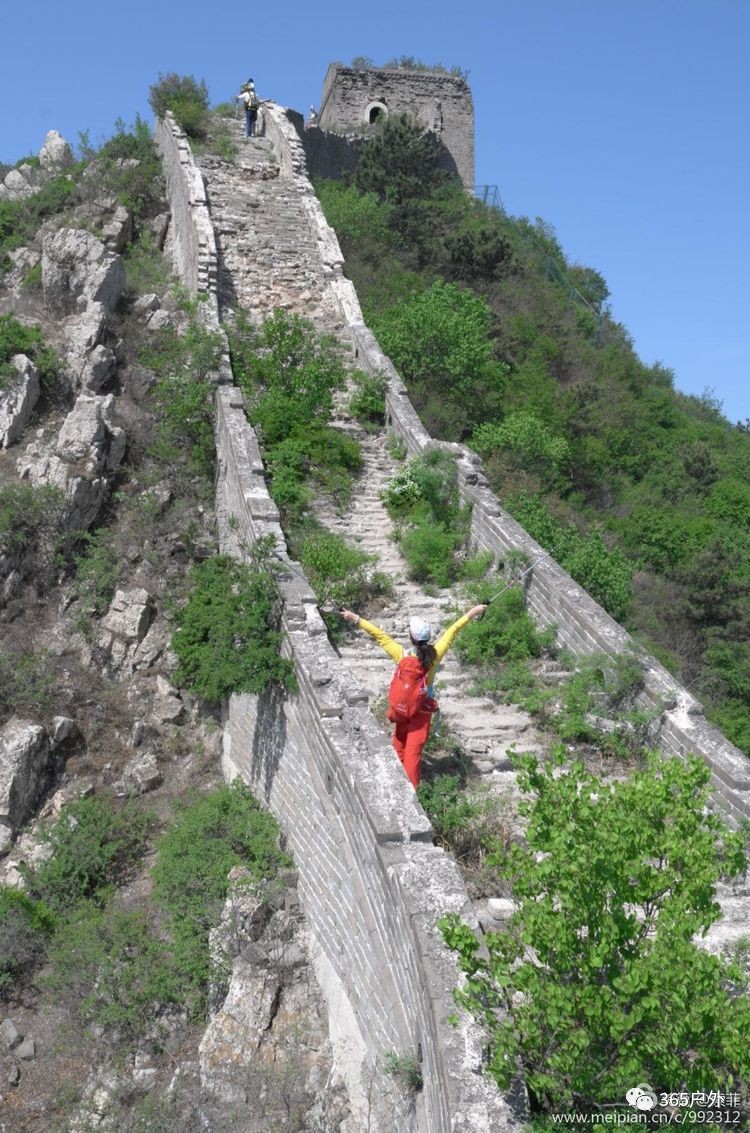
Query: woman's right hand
x=349 y=616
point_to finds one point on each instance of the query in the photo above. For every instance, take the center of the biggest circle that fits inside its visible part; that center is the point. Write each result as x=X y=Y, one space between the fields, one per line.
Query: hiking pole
x=522 y=575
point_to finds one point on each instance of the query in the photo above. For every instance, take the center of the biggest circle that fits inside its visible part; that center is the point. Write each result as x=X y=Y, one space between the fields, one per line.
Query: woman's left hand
x=475 y=612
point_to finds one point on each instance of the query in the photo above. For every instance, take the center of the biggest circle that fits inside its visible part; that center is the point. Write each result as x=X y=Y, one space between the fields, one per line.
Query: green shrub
x=19 y=220
x=339 y=574
x=605 y=574
x=405 y=1070
x=431 y=526
x=319 y=453
x=93 y=845
x=439 y=340
x=289 y=373
x=431 y=550
x=185 y=97
x=598 y=980
x=532 y=444
x=127 y=167
x=146 y=269
x=400 y=161
x=466 y=823
x=185 y=365
x=287 y=360
x=97 y=571
x=18 y=338
x=505 y=632
x=27 y=681
x=120 y=975
x=208 y=837
x=227 y=638
x=32 y=281
x=360 y=220
x=32 y=527
x=25 y=927
x=367 y=404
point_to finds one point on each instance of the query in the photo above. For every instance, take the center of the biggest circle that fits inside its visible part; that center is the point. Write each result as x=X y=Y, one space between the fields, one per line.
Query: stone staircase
x=484 y=729
x=269 y=258
x=268 y=255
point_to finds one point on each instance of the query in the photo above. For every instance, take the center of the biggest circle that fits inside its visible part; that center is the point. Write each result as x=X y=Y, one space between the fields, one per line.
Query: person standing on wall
x=250 y=102
x=410 y=699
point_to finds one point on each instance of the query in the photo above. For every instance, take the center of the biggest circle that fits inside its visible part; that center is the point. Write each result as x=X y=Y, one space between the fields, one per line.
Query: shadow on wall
x=335 y=156
x=269 y=739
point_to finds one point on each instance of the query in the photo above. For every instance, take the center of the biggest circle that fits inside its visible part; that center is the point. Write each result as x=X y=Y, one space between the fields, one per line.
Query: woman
x=410 y=736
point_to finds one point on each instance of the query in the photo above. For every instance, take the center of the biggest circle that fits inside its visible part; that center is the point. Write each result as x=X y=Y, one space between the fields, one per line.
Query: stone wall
x=441 y=102
x=553 y=597
x=191 y=234
x=371 y=883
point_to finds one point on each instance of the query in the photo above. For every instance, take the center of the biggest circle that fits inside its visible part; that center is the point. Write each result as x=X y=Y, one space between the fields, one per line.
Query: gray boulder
x=118 y=230
x=89 y=436
x=17 y=400
x=83 y=332
x=78 y=269
x=98 y=368
x=125 y=626
x=129 y=614
x=24 y=759
x=89 y=448
x=142 y=774
x=16 y=187
x=55 y=154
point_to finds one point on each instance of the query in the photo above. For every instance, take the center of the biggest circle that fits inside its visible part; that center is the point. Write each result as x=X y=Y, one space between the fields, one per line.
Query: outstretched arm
x=391 y=647
x=444 y=642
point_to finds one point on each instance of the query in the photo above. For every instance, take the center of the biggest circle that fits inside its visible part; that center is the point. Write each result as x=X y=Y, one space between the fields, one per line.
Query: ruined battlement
x=441 y=102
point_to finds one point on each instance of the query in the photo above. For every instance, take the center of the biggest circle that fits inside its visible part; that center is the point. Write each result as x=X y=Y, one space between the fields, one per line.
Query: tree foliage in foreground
x=597 y=983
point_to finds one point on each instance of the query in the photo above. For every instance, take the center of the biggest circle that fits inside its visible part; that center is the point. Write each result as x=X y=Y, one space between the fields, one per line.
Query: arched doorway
x=375 y=112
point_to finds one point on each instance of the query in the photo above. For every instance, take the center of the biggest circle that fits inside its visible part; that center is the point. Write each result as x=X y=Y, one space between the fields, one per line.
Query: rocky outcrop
x=76 y=267
x=98 y=368
x=89 y=449
x=55 y=154
x=265 y=1053
x=55 y=157
x=124 y=626
x=18 y=396
x=24 y=766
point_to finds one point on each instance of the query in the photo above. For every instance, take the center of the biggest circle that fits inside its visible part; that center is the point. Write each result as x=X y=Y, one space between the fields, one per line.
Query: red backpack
x=408 y=695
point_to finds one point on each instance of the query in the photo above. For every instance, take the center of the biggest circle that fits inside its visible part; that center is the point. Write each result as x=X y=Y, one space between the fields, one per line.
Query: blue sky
x=623 y=123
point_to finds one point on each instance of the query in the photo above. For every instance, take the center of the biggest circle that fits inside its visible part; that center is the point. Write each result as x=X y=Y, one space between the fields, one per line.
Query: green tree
x=439 y=340
x=598 y=984
x=186 y=97
x=400 y=162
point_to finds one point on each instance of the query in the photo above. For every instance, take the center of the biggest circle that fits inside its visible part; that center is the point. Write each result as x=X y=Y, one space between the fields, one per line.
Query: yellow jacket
x=396 y=651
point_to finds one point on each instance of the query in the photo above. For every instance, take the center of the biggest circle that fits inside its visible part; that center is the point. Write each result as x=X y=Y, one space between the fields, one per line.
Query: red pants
x=408 y=741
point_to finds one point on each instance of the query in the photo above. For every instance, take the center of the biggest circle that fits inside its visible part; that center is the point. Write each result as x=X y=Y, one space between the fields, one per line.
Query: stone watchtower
x=439 y=101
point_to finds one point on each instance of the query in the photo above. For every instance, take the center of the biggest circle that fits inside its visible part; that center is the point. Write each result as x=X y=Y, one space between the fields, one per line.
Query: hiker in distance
x=410 y=701
x=250 y=103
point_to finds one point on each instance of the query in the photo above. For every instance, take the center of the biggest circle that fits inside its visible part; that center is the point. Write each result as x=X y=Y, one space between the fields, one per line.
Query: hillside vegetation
x=641 y=492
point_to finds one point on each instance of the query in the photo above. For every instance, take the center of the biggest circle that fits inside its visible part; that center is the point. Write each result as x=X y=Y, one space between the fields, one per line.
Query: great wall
x=372 y=884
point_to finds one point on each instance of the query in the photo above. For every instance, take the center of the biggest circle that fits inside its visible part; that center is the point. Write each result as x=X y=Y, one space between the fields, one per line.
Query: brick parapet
x=195 y=254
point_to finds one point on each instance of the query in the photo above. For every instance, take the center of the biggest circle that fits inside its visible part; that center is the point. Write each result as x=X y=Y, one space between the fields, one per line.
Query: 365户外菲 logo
x=643 y=1105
